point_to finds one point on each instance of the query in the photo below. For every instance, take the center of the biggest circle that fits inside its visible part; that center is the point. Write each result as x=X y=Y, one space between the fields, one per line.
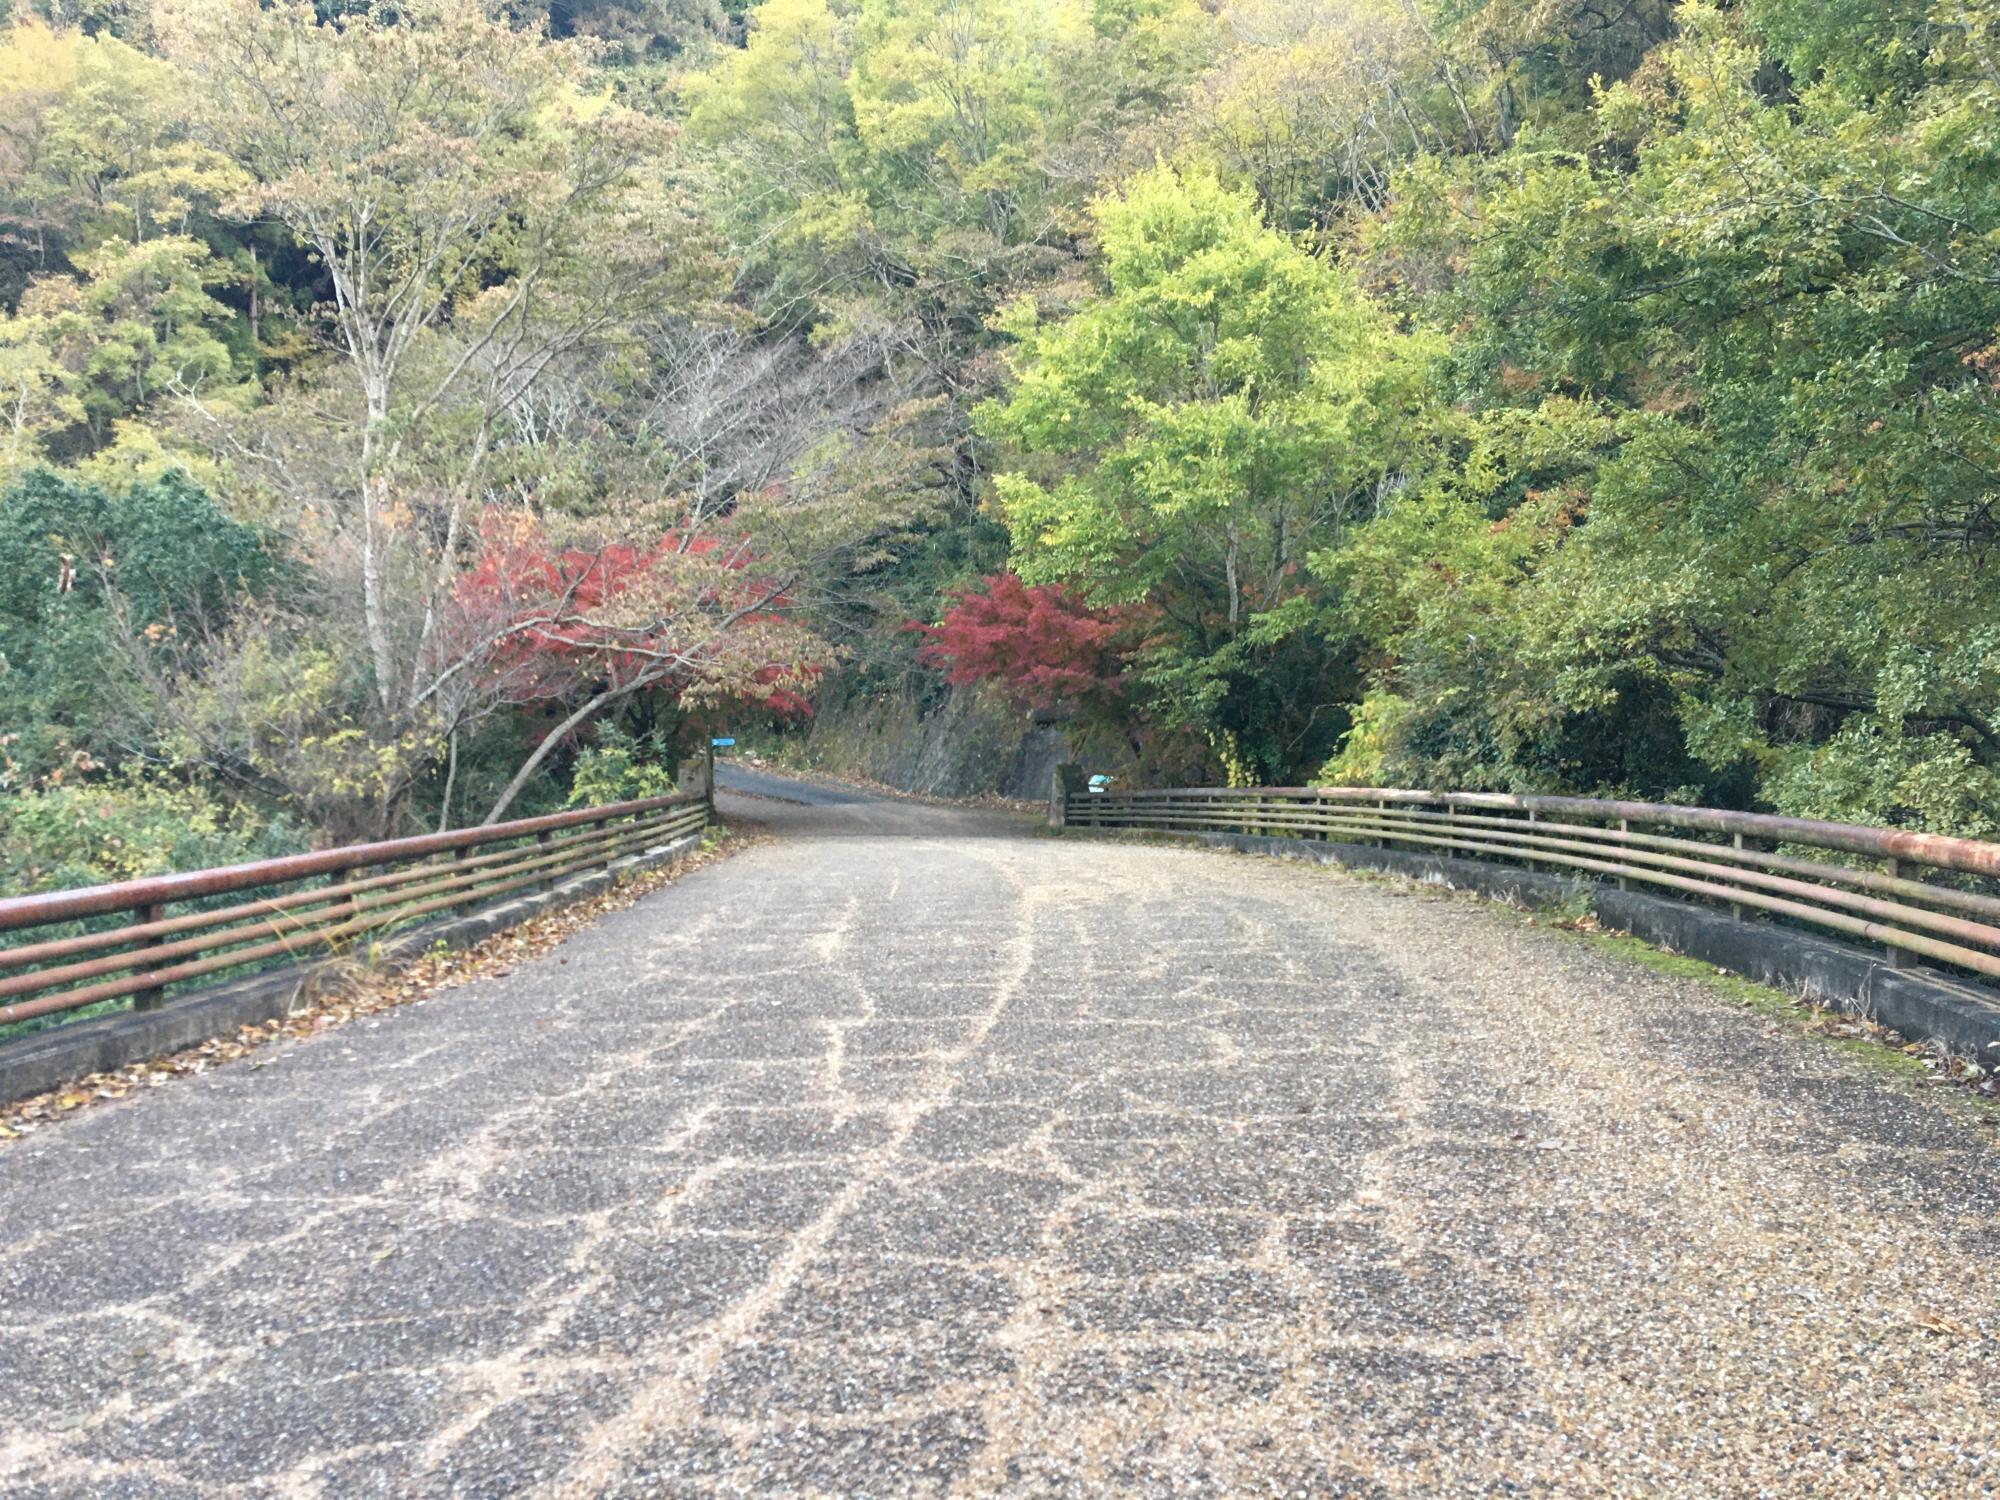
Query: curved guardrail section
x=299 y=907
x=1746 y=861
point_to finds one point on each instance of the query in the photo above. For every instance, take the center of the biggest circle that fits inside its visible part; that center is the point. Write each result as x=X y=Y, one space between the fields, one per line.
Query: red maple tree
x=686 y=614
x=1041 y=644
x=688 y=617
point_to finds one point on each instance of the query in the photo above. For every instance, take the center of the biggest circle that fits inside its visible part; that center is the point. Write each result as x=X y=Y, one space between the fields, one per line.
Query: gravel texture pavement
x=915 y=1153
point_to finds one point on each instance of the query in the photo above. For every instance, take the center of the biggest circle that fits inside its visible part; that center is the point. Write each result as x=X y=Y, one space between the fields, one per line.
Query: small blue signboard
x=722 y=744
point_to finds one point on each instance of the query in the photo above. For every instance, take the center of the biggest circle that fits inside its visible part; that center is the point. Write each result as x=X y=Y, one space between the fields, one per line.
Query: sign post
x=713 y=745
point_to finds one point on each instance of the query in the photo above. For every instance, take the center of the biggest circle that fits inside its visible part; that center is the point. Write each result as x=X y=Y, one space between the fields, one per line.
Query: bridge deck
x=911 y=1151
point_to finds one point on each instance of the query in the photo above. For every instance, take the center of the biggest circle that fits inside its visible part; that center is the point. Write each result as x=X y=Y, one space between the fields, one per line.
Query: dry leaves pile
x=341 y=992
x=1944 y=1066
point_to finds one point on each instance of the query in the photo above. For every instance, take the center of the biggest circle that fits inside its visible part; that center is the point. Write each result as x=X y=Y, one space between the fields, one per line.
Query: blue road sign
x=722 y=744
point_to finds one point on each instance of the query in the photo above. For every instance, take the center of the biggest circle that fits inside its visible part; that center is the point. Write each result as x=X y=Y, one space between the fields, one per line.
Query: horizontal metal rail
x=1938 y=918
x=299 y=907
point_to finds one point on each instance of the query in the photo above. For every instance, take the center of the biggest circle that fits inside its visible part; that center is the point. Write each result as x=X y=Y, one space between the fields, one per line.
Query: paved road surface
x=911 y=1153
x=732 y=776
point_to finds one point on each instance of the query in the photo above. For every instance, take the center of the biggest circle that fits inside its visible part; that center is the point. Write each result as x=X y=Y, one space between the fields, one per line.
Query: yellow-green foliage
x=86 y=829
x=1530 y=394
x=620 y=767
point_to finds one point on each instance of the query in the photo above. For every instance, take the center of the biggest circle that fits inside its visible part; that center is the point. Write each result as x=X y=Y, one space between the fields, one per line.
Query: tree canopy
x=411 y=409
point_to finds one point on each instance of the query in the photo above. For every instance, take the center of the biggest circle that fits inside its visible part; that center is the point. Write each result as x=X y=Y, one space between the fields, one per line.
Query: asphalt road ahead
x=912 y=1153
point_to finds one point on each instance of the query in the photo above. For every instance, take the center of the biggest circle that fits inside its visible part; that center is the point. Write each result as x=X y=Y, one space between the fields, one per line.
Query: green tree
x=480 y=209
x=930 y=157
x=1770 y=292
x=92 y=584
x=1229 y=404
x=136 y=328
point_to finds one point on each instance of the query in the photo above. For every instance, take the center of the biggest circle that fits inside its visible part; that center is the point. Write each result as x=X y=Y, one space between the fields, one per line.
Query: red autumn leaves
x=690 y=616
x=1042 y=643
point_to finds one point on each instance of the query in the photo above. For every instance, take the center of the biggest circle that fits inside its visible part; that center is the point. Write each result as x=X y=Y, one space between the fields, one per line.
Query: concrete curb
x=1920 y=1003
x=45 y=1060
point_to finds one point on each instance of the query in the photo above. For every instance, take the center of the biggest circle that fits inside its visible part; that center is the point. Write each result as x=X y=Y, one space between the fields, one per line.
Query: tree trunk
x=374 y=608
x=1235 y=580
x=549 y=742
x=450 y=779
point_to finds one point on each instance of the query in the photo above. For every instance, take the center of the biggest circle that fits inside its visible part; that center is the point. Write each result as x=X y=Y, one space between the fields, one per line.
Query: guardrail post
x=467 y=903
x=1624 y=851
x=542 y=841
x=342 y=897
x=147 y=999
x=1736 y=907
x=1529 y=858
x=1064 y=784
x=1897 y=958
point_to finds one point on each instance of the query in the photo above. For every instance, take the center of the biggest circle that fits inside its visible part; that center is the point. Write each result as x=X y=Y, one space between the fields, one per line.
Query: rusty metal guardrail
x=1766 y=865
x=300 y=906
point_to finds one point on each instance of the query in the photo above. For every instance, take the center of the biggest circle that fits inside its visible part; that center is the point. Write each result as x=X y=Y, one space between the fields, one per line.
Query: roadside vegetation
x=429 y=413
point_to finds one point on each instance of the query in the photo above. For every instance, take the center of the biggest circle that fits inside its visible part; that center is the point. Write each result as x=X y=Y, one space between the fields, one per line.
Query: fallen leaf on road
x=1939 y=1323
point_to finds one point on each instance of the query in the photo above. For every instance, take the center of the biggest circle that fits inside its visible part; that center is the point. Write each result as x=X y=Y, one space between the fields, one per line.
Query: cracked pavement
x=912 y=1153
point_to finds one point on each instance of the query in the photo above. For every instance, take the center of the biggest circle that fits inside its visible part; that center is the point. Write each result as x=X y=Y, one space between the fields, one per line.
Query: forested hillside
x=429 y=412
